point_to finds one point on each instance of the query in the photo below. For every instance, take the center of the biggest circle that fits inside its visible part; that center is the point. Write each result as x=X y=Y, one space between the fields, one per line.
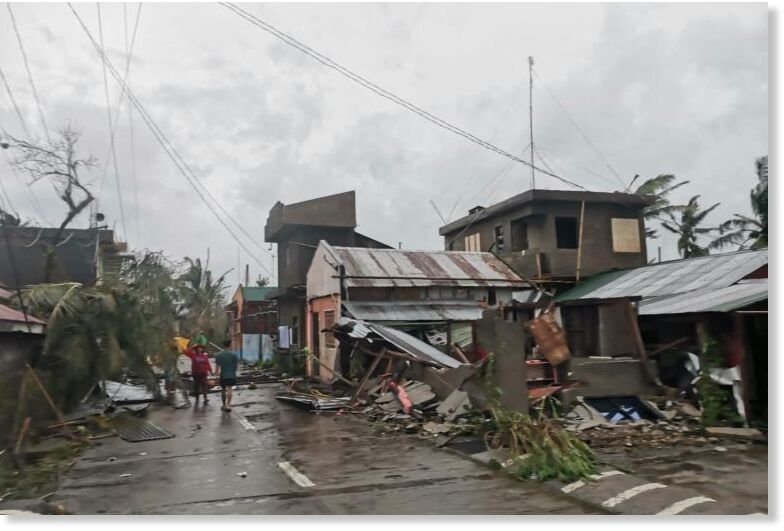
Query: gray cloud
x=658 y=89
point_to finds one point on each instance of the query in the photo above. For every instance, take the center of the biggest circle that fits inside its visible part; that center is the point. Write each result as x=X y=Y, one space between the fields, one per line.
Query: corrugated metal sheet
x=414 y=311
x=10 y=314
x=394 y=267
x=670 y=278
x=401 y=340
x=724 y=299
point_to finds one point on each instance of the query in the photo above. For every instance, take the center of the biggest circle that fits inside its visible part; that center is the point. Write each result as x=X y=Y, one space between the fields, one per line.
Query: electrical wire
x=134 y=180
x=326 y=61
x=13 y=102
x=27 y=68
x=120 y=100
x=579 y=129
x=170 y=150
x=111 y=129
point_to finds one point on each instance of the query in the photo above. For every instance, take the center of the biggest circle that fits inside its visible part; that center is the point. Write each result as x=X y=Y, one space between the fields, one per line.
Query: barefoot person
x=200 y=369
x=226 y=370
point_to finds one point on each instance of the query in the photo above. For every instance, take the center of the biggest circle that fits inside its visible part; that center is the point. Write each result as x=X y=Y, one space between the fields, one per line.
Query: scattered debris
x=133 y=429
x=242 y=474
x=735 y=432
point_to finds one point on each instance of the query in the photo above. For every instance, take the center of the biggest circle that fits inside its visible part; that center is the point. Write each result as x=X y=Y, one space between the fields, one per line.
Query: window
x=472 y=242
x=329 y=322
x=294 y=330
x=625 y=235
x=499 y=239
x=519 y=235
x=566 y=233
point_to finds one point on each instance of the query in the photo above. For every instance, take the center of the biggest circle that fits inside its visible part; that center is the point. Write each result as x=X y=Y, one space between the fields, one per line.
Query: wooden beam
x=57 y=412
x=640 y=345
x=367 y=374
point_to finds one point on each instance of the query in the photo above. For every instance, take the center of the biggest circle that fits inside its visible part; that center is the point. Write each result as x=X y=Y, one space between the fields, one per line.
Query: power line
x=129 y=53
x=27 y=68
x=13 y=102
x=111 y=129
x=170 y=150
x=326 y=61
x=33 y=198
x=120 y=100
x=579 y=129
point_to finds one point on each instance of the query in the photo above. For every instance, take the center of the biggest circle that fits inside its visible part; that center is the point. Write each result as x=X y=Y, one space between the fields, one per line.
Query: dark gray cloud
x=657 y=88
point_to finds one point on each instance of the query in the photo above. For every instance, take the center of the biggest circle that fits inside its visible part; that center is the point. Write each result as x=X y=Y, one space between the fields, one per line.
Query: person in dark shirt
x=226 y=369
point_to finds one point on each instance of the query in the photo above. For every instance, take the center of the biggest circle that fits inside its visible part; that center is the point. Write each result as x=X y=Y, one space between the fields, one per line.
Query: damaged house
x=253 y=321
x=435 y=296
x=297 y=229
x=629 y=330
x=541 y=233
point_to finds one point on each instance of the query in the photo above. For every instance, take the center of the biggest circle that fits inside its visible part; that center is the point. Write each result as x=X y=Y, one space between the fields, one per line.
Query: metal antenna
x=531 y=116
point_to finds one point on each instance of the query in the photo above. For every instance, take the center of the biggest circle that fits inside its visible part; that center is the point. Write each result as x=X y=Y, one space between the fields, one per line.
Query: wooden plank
x=57 y=412
x=640 y=345
x=367 y=374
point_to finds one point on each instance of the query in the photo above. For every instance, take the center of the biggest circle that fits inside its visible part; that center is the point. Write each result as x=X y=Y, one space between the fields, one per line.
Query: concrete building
x=437 y=296
x=538 y=232
x=297 y=229
x=87 y=256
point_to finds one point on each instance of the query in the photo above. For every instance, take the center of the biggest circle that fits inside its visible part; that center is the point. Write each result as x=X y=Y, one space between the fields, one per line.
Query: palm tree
x=688 y=227
x=202 y=299
x=740 y=230
x=658 y=189
x=93 y=334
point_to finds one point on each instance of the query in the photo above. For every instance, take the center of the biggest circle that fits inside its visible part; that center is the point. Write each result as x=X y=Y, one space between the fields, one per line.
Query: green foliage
x=539 y=447
x=658 y=188
x=688 y=227
x=202 y=300
x=40 y=477
x=745 y=231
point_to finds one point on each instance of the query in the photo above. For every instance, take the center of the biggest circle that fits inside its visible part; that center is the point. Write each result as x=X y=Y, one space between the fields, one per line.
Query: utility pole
x=531 y=116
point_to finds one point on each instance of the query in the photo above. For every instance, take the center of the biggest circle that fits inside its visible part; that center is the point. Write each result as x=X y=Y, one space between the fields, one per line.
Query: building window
x=519 y=235
x=625 y=235
x=294 y=332
x=499 y=239
x=472 y=242
x=566 y=233
x=329 y=322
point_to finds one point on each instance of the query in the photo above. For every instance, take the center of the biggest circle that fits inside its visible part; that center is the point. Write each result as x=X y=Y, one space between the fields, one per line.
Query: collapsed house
x=634 y=329
x=436 y=296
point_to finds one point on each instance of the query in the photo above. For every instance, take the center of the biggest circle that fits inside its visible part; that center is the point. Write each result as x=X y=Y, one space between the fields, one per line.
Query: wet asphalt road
x=270 y=458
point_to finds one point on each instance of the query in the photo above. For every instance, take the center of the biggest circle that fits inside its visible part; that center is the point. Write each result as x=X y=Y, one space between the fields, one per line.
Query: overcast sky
x=676 y=88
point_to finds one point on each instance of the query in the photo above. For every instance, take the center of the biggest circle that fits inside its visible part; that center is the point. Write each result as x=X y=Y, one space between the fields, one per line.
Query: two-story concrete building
x=297 y=228
x=539 y=234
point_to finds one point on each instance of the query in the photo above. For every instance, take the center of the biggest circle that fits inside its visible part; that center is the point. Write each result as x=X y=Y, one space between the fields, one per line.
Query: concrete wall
x=321 y=275
x=597 y=256
x=607 y=378
x=336 y=210
x=295 y=253
x=506 y=341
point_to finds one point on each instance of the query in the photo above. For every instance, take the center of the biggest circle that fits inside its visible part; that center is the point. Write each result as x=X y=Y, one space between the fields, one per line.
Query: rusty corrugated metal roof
x=399 y=268
x=9 y=314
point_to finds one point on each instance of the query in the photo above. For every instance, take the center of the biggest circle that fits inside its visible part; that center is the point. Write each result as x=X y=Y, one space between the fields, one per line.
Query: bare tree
x=56 y=160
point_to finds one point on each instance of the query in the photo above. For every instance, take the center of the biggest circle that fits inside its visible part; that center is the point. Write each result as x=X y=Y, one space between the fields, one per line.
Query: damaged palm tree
x=539 y=448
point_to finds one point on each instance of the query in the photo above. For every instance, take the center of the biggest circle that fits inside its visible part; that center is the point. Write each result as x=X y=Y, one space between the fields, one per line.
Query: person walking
x=226 y=370
x=200 y=370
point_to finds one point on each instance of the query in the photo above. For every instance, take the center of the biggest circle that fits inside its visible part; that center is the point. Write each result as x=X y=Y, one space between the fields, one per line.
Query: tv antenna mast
x=531 y=116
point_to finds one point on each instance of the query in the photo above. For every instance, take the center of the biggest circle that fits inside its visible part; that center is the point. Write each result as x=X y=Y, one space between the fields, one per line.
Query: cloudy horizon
x=673 y=88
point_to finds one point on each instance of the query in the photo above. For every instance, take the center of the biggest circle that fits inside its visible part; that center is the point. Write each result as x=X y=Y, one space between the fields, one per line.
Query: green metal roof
x=256 y=294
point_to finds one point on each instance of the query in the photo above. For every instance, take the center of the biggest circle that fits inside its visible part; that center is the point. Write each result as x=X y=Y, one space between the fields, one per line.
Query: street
x=263 y=457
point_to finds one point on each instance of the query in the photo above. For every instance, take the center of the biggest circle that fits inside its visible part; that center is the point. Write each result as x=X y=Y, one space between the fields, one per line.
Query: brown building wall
x=597 y=255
